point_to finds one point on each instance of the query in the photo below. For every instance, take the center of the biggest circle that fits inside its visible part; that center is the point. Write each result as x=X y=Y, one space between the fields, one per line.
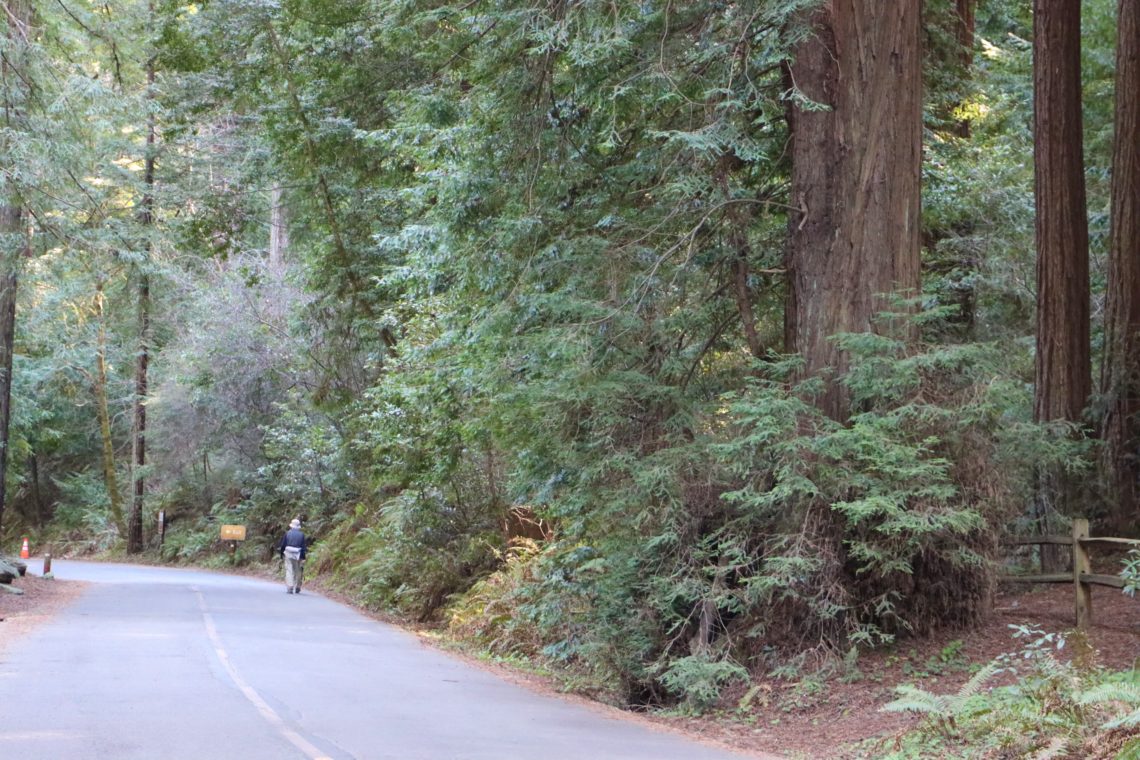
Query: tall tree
x=142 y=358
x=1120 y=378
x=1064 y=373
x=12 y=222
x=854 y=236
x=1063 y=364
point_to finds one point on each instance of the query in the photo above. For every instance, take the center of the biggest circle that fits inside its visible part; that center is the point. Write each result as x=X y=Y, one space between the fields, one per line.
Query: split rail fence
x=1082 y=577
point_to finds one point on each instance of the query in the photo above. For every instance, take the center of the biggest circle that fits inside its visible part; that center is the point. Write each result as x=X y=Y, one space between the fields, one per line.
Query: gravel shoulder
x=20 y=614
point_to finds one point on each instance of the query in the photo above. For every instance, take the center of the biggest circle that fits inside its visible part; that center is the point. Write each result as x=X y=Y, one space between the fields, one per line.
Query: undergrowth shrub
x=886 y=524
x=82 y=521
x=769 y=530
x=696 y=541
x=489 y=614
x=424 y=548
x=1052 y=708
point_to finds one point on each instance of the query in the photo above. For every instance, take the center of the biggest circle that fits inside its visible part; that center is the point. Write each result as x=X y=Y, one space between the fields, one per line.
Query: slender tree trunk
x=110 y=478
x=37 y=495
x=135 y=526
x=13 y=237
x=965 y=10
x=966 y=24
x=1063 y=367
x=278 y=230
x=739 y=222
x=1120 y=378
x=10 y=221
x=855 y=180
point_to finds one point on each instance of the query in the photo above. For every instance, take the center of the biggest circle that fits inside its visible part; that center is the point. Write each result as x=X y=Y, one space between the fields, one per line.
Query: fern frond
x=978 y=680
x=1131 y=720
x=1129 y=693
x=913 y=699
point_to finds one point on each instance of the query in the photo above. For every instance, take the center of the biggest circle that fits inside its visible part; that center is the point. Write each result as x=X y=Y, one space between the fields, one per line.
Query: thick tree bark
x=1064 y=373
x=1063 y=368
x=854 y=241
x=965 y=10
x=1120 y=378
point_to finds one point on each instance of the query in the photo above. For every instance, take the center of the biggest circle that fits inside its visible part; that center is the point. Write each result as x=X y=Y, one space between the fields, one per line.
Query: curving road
x=166 y=664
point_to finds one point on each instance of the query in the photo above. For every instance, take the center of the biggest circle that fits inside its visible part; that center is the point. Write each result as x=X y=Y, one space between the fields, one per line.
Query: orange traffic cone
x=24 y=553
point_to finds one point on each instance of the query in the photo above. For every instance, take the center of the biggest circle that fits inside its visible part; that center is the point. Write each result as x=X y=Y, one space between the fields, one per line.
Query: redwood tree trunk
x=1064 y=373
x=1063 y=369
x=854 y=240
x=1120 y=378
x=965 y=10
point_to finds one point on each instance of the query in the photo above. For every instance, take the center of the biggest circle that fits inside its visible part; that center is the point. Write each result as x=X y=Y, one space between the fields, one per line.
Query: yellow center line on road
x=266 y=711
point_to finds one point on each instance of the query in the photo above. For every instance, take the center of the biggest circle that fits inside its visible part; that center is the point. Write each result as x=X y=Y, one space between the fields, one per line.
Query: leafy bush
x=490 y=615
x=885 y=524
x=423 y=549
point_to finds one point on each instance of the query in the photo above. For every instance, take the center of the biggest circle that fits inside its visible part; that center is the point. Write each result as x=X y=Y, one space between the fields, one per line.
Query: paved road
x=166 y=664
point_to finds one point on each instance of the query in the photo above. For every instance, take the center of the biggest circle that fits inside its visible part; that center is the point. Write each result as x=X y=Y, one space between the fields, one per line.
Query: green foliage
x=1130 y=572
x=522 y=235
x=490 y=614
x=698 y=680
x=422 y=549
x=1053 y=708
x=82 y=521
x=882 y=525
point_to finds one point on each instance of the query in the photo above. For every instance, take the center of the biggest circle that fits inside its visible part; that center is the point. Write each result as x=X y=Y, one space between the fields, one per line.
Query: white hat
x=295 y=524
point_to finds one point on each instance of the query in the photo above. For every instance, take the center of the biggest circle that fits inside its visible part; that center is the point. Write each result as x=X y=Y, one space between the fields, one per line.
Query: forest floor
x=841 y=716
x=811 y=717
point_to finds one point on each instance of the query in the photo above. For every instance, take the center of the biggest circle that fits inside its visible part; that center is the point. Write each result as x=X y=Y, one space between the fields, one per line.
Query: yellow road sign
x=233 y=532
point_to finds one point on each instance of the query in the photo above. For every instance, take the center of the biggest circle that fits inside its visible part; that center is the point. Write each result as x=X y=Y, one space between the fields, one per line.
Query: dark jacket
x=293 y=537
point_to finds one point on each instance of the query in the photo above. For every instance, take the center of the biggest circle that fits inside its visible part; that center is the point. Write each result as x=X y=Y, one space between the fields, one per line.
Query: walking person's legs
x=293 y=575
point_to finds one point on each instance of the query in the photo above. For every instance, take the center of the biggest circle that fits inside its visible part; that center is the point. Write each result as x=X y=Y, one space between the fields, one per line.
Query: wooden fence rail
x=1082 y=577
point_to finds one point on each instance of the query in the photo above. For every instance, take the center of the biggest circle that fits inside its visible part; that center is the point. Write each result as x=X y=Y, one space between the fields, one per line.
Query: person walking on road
x=292 y=548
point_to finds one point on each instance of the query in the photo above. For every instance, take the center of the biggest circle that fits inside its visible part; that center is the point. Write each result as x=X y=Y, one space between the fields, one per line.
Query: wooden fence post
x=1081 y=564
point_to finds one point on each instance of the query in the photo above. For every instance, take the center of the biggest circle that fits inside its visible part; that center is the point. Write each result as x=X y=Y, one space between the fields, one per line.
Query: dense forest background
x=663 y=342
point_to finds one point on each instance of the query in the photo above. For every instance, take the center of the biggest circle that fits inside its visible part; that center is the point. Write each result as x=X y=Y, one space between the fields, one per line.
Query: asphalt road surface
x=166 y=664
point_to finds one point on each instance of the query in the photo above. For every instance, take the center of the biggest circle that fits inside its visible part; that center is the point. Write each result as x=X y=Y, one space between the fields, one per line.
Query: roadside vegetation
x=587 y=334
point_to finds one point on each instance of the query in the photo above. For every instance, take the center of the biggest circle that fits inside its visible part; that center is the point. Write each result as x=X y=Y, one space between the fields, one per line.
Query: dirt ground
x=814 y=718
x=824 y=719
x=41 y=599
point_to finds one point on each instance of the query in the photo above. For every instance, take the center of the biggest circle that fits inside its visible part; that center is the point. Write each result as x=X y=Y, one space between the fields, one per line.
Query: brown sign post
x=233 y=534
